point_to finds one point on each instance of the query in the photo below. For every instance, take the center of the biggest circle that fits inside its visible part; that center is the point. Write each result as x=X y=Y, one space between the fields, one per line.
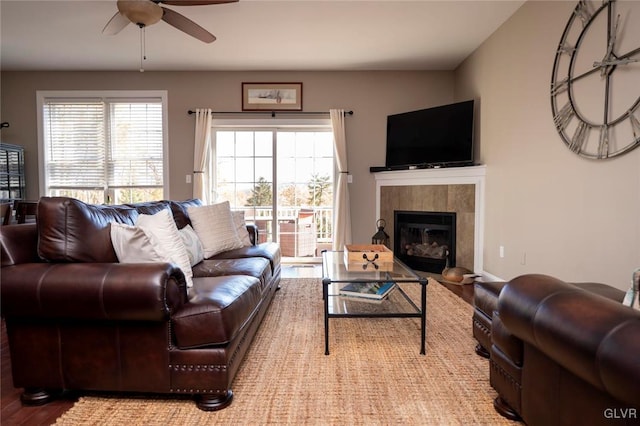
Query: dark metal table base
x=422 y=313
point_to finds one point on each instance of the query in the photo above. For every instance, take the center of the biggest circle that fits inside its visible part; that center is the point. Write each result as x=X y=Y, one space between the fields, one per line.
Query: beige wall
x=371 y=95
x=553 y=211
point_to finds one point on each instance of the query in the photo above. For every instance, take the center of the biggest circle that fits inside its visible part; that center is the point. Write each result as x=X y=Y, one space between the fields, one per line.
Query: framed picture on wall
x=272 y=96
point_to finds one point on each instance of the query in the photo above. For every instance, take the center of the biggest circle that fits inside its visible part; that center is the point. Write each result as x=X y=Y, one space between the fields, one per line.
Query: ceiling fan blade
x=187 y=25
x=194 y=2
x=115 y=24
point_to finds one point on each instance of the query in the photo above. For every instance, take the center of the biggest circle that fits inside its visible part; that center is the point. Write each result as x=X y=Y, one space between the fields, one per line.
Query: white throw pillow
x=192 y=244
x=132 y=245
x=165 y=238
x=241 y=227
x=215 y=228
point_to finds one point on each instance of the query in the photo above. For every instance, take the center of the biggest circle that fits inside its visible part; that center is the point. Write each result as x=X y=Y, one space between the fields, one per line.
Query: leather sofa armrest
x=252 y=228
x=595 y=338
x=92 y=291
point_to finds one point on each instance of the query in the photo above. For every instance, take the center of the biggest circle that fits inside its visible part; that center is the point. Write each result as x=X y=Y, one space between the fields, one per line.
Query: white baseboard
x=487 y=277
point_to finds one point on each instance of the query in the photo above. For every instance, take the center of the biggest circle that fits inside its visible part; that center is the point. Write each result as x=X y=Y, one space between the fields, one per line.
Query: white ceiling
x=253 y=35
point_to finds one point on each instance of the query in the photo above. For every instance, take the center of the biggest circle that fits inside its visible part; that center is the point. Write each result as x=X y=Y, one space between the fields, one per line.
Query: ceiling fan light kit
x=148 y=12
x=140 y=12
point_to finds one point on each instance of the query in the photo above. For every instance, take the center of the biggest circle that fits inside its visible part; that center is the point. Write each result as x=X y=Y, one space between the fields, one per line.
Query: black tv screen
x=439 y=136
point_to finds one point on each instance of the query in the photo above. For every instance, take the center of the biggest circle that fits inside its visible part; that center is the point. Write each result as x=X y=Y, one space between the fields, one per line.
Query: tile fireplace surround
x=454 y=189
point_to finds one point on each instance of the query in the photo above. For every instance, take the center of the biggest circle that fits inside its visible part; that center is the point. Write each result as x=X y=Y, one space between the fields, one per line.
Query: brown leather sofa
x=85 y=322
x=562 y=354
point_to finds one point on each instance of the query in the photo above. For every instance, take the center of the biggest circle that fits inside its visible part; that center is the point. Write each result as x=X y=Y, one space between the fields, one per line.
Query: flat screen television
x=433 y=137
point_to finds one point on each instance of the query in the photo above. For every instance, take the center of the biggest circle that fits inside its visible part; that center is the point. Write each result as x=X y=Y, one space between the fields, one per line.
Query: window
x=249 y=162
x=106 y=147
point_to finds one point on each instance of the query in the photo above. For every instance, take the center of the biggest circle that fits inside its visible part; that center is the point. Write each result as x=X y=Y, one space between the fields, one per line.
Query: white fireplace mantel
x=472 y=175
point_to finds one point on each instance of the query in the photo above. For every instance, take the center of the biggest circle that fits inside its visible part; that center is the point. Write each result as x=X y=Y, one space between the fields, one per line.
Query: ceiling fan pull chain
x=143 y=47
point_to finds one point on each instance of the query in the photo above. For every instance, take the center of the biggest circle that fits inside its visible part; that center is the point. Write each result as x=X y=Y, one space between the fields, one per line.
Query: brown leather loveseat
x=77 y=319
x=563 y=354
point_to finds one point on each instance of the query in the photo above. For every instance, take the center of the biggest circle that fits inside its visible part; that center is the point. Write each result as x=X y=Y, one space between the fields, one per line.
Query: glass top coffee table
x=397 y=304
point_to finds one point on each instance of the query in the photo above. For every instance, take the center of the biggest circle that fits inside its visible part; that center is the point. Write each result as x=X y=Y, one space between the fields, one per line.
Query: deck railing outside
x=294 y=224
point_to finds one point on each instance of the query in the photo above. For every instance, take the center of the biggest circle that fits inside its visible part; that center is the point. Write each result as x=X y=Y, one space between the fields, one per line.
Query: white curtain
x=341 y=208
x=201 y=150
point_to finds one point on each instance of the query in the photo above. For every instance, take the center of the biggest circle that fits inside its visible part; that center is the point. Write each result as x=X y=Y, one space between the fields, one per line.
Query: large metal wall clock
x=595 y=85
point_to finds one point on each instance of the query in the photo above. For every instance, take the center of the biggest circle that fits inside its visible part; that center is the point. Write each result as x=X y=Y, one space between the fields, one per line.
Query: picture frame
x=272 y=96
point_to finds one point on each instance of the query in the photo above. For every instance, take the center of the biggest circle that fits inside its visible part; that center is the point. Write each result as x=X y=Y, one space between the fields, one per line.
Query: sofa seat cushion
x=257 y=267
x=270 y=251
x=218 y=309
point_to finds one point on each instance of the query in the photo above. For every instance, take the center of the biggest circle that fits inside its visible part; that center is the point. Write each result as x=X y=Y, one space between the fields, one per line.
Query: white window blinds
x=103 y=149
x=75 y=144
x=135 y=154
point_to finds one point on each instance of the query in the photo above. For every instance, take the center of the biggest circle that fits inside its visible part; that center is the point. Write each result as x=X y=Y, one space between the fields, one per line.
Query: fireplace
x=448 y=189
x=425 y=240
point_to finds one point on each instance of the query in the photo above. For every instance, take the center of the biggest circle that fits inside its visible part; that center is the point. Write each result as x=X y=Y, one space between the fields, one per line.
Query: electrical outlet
x=501 y=252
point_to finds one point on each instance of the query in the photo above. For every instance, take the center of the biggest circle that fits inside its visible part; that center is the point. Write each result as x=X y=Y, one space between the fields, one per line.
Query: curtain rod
x=273 y=113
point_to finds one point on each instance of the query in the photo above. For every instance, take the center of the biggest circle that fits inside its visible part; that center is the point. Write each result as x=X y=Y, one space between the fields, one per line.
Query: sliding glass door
x=283 y=179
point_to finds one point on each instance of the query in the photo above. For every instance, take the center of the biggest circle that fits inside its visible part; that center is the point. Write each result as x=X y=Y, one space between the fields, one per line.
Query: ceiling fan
x=147 y=12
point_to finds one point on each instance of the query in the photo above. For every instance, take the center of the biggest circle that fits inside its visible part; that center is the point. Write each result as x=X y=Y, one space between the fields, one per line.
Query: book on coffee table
x=374 y=290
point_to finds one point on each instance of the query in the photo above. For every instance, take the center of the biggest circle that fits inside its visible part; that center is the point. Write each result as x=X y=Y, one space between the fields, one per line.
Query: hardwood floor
x=12 y=412
x=463 y=291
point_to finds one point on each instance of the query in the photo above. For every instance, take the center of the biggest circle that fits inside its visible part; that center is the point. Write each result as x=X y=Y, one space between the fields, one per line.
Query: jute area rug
x=373 y=376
